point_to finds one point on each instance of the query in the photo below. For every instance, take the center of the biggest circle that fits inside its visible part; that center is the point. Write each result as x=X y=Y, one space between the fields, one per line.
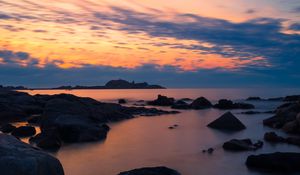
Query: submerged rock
x=47 y=140
x=162 y=101
x=180 y=104
x=18 y=158
x=151 y=171
x=274 y=138
x=7 y=128
x=276 y=162
x=227 y=122
x=24 y=131
x=201 y=103
x=242 y=145
x=254 y=99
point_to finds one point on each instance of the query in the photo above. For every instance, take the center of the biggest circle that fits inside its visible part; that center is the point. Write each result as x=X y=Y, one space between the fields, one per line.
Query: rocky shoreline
x=65 y=118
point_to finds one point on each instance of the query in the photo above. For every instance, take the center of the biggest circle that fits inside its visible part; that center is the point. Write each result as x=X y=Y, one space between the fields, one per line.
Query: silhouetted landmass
x=116 y=84
x=12 y=88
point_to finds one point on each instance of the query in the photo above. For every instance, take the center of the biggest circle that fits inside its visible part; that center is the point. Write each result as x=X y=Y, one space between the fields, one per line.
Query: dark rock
x=123 y=84
x=273 y=137
x=228 y=104
x=186 y=99
x=201 y=103
x=227 y=122
x=47 y=140
x=242 y=145
x=253 y=99
x=18 y=158
x=292 y=98
x=7 y=128
x=162 y=101
x=10 y=113
x=275 y=162
x=275 y=99
x=122 y=101
x=180 y=105
x=151 y=171
x=24 y=131
x=251 y=112
x=171 y=127
x=210 y=150
x=35 y=119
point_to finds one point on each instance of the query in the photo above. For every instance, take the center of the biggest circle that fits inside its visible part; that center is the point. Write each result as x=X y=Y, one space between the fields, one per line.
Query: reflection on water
x=147 y=141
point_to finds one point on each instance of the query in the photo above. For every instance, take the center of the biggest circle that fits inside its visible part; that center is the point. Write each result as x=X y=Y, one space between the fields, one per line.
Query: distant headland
x=112 y=84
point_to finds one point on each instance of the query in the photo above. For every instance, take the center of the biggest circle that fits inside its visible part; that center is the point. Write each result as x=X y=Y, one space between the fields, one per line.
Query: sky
x=175 y=43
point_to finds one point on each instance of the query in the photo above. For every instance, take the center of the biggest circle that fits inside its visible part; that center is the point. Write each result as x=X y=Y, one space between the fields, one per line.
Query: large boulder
x=274 y=138
x=227 y=122
x=24 y=131
x=162 y=101
x=201 y=103
x=11 y=113
x=228 y=104
x=280 y=162
x=47 y=140
x=18 y=158
x=180 y=104
x=151 y=171
x=242 y=145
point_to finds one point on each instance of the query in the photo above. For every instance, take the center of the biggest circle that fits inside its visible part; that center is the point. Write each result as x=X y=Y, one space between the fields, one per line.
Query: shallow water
x=147 y=141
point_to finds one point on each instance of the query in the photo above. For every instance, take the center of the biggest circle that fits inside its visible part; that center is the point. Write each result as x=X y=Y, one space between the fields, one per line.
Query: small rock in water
x=171 y=127
x=210 y=150
x=7 y=128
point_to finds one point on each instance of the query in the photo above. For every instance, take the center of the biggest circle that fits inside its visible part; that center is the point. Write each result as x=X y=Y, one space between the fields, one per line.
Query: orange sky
x=67 y=33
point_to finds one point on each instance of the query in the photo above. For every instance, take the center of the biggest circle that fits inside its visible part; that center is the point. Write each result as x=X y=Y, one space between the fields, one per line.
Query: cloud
x=296 y=10
x=4 y=16
x=250 y=11
x=17 y=58
x=260 y=37
x=295 y=27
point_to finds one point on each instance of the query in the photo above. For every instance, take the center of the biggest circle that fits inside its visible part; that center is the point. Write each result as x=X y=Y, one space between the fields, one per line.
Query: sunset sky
x=176 y=43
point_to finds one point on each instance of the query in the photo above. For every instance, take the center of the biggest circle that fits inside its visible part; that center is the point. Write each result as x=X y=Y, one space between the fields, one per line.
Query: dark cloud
x=4 y=16
x=250 y=11
x=40 y=31
x=260 y=37
x=295 y=26
x=17 y=58
x=296 y=10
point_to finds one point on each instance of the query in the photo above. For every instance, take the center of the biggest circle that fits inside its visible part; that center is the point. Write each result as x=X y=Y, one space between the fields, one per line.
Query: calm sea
x=147 y=141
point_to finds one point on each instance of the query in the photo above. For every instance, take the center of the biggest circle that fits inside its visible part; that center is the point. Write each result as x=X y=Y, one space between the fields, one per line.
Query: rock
x=228 y=104
x=162 y=101
x=275 y=99
x=242 y=145
x=275 y=162
x=251 y=112
x=186 y=99
x=122 y=101
x=171 y=127
x=35 y=119
x=285 y=118
x=47 y=140
x=180 y=105
x=292 y=98
x=201 y=103
x=24 y=131
x=227 y=122
x=18 y=158
x=210 y=150
x=253 y=99
x=7 y=128
x=11 y=113
x=273 y=137
x=151 y=171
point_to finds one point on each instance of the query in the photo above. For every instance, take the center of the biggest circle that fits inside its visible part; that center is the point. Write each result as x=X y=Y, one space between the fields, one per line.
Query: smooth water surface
x=147 y=141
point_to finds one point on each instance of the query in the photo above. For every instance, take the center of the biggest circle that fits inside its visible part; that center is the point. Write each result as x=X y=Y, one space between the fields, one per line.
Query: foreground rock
x=201 y=103
x=151 y=171
x=49 y=140
x=18 y=158
x=242 y=145
x=228 y=104
x=287 y=117
x=24 y=131
x=227 y=122
x=162 y=101
x=276 y=162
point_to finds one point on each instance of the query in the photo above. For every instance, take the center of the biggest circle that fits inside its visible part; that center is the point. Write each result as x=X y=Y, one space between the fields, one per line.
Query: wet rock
x=210 y=150
x=228 y=104
x=151 y=171
x=227 y=122
x=122 y=101
x=11 y=113
x=18 y=158
x=7 y=128
x=201 y=103
x=24 y=131
x=242 y=145
x=35 y=119
x=162 y=101
x=275 y=162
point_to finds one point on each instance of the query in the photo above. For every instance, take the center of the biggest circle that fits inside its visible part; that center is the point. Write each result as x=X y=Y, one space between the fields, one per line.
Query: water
x=147 y=141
